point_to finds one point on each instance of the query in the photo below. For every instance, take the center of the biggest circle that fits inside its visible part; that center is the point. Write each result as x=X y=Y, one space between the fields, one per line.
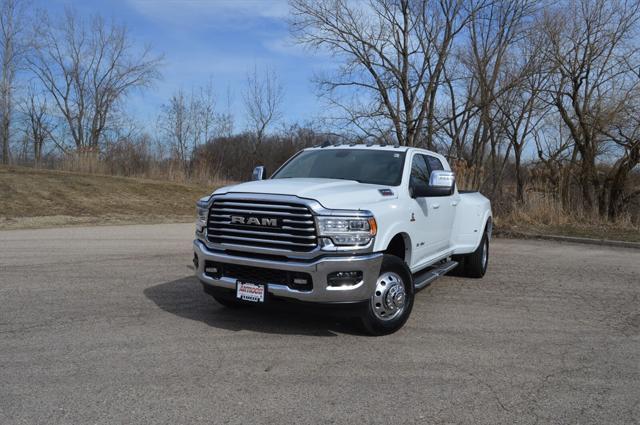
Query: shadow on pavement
x=185 y=298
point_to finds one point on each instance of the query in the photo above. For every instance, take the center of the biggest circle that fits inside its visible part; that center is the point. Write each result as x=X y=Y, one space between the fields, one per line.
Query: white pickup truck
x=362 y=226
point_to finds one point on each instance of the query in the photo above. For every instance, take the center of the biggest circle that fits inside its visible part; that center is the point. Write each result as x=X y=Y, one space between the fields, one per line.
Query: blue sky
x=217 y=39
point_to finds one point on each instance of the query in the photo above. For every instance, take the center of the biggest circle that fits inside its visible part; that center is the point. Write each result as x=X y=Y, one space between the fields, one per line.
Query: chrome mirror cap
x=441 y=179
x=258 y=173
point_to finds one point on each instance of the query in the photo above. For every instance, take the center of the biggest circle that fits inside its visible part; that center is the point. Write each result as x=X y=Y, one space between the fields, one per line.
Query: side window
x=434 y=163
x=419 y=171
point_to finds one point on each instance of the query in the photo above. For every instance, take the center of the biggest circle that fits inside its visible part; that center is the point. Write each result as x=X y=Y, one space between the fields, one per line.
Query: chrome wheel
x=389 y=300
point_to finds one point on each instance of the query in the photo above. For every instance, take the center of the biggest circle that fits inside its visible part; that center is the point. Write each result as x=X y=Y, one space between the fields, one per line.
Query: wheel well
x=399 y=246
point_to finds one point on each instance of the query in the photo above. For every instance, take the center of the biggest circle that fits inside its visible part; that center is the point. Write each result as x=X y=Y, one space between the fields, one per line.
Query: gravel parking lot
x=107 y=325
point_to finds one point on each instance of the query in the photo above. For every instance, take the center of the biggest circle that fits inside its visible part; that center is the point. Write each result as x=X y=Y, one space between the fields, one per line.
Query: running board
x=425 y=277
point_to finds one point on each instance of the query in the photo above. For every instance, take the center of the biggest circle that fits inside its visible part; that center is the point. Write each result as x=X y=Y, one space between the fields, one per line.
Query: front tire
x=390 y=306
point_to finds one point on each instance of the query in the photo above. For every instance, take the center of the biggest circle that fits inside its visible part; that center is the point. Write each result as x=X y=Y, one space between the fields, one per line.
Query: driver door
x=446 y=210
x=432 y=218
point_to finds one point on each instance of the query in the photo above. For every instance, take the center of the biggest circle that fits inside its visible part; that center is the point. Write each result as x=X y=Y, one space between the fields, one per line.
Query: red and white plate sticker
x=250 y=292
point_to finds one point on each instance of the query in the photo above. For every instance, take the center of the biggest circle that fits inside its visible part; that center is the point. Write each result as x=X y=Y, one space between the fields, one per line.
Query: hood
x=331 y=193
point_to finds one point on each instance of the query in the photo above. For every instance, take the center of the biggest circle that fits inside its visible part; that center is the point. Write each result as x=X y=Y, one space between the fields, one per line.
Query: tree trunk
x=586 y=182
x=618 y=181
x=37 y=153
x=615 y=200
x=519 y=176
x=5 y=151
x=5 y=120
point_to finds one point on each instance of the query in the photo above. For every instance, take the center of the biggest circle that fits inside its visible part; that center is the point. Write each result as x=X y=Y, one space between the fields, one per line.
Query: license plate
x=250 y=291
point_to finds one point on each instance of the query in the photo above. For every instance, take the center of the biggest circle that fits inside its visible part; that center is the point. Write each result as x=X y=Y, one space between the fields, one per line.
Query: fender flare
x=383 y=243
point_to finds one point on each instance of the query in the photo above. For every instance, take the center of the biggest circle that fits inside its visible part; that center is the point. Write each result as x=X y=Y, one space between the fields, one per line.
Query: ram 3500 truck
x=363 y=226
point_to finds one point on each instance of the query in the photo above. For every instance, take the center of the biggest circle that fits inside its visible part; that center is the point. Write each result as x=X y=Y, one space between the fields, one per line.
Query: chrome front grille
x=276 y=225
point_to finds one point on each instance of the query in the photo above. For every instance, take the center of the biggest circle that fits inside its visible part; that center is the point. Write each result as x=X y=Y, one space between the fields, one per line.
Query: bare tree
x=592 y=45
x=557 y=159
x=494 y=67
x=176 y=125
x=187 y=122
x=224 y=120
x=38 y=124
x=522 y=114
x=395 y=54
x=87 y=68
x=207 y=111
x=522 y=111
x=623 y=132
x=263 y=99
x=12 y=49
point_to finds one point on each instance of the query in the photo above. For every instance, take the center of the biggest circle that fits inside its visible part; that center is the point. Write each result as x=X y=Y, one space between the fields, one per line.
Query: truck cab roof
x=379 y=148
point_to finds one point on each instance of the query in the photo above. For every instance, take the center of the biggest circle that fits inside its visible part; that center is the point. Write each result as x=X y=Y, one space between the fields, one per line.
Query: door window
x=434 y=163
x=419 y=172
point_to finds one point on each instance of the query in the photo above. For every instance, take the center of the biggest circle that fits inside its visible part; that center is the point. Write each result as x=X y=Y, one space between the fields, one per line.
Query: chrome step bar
x=425 y=277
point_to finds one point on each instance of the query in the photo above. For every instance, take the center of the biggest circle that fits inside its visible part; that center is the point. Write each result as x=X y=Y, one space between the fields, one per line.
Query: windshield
x=362 y=165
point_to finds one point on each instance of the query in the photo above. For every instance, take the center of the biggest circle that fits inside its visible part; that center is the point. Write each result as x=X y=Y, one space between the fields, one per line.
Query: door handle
x=454 y=203
x=436 y=206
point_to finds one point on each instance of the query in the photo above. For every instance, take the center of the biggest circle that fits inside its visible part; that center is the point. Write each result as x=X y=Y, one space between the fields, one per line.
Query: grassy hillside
x=44 y=198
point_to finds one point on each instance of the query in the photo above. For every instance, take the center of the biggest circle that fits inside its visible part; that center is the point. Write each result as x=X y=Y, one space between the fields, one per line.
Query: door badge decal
x=413 y=217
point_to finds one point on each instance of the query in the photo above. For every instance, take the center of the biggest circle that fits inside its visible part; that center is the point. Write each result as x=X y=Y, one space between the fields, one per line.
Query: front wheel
x=390 y=305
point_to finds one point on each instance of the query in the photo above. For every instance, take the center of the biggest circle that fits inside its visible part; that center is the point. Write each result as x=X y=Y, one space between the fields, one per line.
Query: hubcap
x=389 y=299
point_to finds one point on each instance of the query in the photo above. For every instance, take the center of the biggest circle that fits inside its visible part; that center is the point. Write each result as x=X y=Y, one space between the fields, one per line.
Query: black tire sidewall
x=473 y=264
x=485 y=244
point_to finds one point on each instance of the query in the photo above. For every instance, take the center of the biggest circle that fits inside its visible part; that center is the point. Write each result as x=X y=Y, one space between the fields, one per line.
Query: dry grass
x=544 y=215
x=45 y=198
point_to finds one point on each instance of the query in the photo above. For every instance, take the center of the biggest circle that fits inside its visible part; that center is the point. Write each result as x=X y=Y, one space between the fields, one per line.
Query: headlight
x=202 y=213
x=347 y=230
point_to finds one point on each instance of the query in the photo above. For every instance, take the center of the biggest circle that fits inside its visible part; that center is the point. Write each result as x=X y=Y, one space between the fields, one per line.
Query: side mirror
x=441 y=183
x=258 y=173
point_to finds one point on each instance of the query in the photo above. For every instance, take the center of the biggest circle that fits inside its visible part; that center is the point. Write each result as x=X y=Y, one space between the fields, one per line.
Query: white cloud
x=218 y=12
x=285 y=45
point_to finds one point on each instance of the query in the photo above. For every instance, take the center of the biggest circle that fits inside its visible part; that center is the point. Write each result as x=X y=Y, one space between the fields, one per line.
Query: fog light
x=344 y=278
x=196 y=262
x=300 y=281
x=212 y=269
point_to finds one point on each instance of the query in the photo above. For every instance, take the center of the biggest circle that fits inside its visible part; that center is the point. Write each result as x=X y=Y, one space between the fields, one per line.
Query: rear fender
x=469 y=228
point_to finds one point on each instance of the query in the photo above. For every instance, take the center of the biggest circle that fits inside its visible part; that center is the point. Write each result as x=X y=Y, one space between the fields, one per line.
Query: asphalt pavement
x=108 y=325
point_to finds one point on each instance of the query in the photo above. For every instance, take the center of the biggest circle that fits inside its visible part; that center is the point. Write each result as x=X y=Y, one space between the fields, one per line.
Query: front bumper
x=368 y=264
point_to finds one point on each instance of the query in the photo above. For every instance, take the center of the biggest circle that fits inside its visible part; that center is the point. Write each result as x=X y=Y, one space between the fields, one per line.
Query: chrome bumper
x=369 y=264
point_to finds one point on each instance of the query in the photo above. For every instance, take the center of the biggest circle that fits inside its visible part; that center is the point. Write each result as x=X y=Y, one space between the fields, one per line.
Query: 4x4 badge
x=413 y=217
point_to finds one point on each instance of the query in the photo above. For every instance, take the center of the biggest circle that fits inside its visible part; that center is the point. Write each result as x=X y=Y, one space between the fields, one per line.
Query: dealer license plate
x=250 y=291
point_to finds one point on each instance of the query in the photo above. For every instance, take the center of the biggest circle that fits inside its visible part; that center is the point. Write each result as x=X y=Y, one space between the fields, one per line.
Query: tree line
x=521 y=95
